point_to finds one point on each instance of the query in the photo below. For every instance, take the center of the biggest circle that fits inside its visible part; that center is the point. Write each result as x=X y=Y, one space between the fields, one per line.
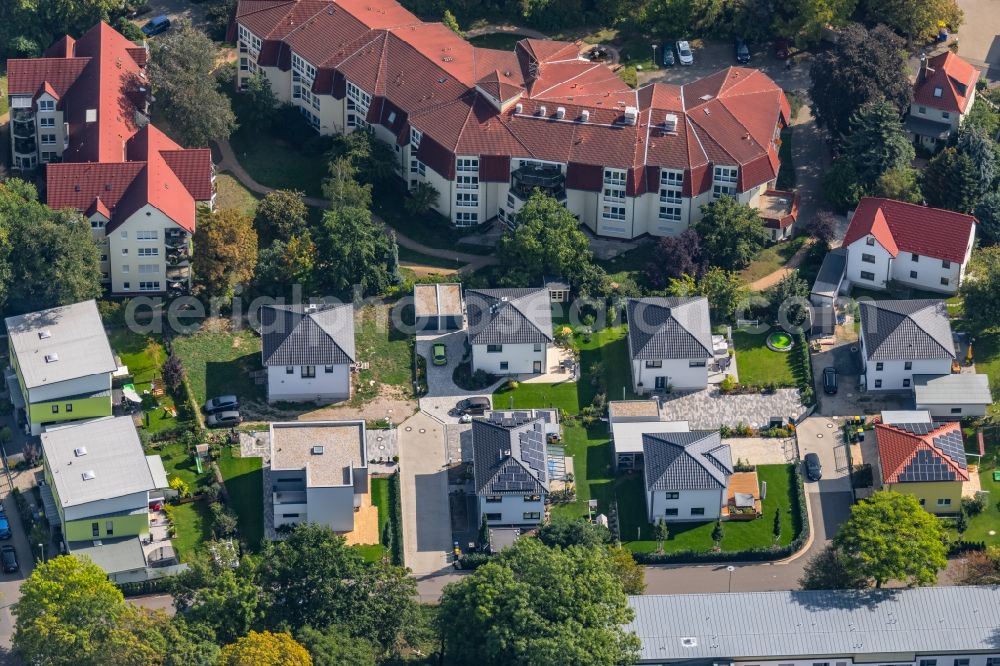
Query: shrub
x=224 y=523
x=181 y=486
x=727 y=385
x=471 y=561
x=973 y=506
x=173 y=373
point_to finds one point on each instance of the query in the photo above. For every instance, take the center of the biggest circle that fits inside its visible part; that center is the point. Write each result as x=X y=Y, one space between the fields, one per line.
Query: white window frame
x=463 y=182
x=149 y=269
x=467 y=199
x=149 y=251
x=48 y=123
x=614 y=194
x=671 y=195
x=415 y=137
x=152 y=285
x=616 y=213
x=46 y=105
x=670 y=213
x=615 y=177
x=47 y=139
x=467 y=164
x=726 y=174
x=672 y=178
x=417 y=167
x=719 y=191
x=464 y=219
x=147 y=235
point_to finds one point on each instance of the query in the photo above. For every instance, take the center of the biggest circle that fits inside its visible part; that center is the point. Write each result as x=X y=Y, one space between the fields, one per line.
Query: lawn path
x=472 y=262
x=777 y=276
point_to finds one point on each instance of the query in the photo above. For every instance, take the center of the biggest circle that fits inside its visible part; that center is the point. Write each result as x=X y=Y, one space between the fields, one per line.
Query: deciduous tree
x=916 y=19
x=988 y=216
x=981 y=290
x=536 y=606
x=265 y=649
x=731 y=233
x=333 y=646
x=281 y=214
x=901 y=184
x=187 y=94
x=283 y=265
x=257 y=103
x=226 y=601
x=353 y=249
x=422 y=198
x=726 y=293
x=342 y=187
x=889 y=536
x=225 y=251
x=675 y=256
x=788 y=300
x=862 y=67
x=830 y=570
x=564 y=532
x=822 y=226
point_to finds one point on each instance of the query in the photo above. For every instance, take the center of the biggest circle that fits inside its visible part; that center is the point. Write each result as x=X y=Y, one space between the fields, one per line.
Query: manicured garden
x=986 y=355
x=591 y=450
x=759 y=366
x=245 y=487
x=179 y=462
x=275 y=162
x=219 y=362
x=380 y=499
x=192 y=523
x=230 y=194
x=144 y=356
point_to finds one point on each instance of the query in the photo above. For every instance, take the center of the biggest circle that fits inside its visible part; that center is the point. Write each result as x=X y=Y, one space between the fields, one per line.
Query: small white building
x=629 y=420
x=952 y=396
x=319 y=473
x=510 y=468
x=510 y=330
x=903 y=339
x=307 y=351
x=892 y=241
x=669 y=343
x=686 y=475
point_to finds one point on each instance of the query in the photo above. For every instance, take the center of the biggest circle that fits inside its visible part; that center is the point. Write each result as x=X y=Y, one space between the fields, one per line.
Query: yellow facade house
x=926 y=460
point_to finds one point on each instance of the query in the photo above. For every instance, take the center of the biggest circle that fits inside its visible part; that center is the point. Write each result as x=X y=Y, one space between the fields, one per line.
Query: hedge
x=141 y=587
x=962 y=546
x=472 y=561
x=806 y=386
x=752 y=555
x=394 y=528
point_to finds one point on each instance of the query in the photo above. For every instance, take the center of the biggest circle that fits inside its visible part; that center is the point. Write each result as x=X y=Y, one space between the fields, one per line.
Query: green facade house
x=99 y=485
x=61 y=365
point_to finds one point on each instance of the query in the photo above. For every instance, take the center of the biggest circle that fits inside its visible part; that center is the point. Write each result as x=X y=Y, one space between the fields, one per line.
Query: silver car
x=222 y=403
x=223 y=419
x=685 y=55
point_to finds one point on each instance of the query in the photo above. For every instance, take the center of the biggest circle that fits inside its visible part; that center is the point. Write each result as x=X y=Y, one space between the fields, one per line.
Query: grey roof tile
x=906 y=330
x=508 y=316
x=509 y=454
x=297 y=335
x=686 y=460
x=669 y=328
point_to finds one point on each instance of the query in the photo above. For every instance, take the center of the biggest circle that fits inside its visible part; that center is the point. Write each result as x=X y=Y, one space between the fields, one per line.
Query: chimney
x=542 y=111
x=631 y=115
x=518 y=108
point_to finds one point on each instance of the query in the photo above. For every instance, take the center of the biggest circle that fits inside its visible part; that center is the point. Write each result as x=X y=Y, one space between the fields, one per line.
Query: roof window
x=51 y=358
x=317 y=450
x=89 y=475
x=937 y=91
x=80 y=451
x=44 y=335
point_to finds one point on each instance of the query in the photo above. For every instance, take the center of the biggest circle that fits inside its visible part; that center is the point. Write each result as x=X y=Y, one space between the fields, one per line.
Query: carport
x=437 y=307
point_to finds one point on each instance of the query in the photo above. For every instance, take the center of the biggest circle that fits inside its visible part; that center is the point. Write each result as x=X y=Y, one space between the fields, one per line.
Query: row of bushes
x=141 y=587
x=805 y=375
x=392 y=538
x=962 y=546
x=752 y=555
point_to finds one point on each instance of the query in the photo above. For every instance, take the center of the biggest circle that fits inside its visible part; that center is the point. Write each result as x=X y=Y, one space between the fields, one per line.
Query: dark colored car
x=5 y=532
x=669 y=59
x=830 y=380
x=476 y=406
x=156 y=26
x=223 y=419
x=814 y=470
x=742 y=51
x=222 y=403
x=8 y=556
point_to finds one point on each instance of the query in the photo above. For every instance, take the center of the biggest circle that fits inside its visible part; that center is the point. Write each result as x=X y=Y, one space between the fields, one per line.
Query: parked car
x=222 y=403
x=814 y=470
x=8 y=556
x=668 y=56
x=742 y=51
x=156 y=26
x=782 y=49
x=684 y=54
x=475 y=406
x=5 y=532
x=440 y=354
x=222 y=419
x=830 y=380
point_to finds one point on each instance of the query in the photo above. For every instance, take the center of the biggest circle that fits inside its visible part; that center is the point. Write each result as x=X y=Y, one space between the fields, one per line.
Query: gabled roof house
x=308 y=351
x=510 y=467
x=670 y=343
x=926 y=460
x=510 y=330
x=892 y=241
x=943 y=94
x=686 y=475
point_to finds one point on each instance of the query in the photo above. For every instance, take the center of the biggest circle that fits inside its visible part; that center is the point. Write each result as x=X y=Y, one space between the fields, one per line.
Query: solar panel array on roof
x=513 y=478
x=533 y=451
x=916 y=428
x=927 y=466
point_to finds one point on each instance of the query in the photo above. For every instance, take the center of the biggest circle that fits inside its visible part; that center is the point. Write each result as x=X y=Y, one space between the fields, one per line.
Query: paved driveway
x=849 y=400
x=708 y=409
x=424 y=494
x=979 y=41
x=822 y=436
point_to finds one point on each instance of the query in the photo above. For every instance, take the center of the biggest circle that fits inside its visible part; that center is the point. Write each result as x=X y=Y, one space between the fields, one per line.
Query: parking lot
x=822 y=436
x=714 y=56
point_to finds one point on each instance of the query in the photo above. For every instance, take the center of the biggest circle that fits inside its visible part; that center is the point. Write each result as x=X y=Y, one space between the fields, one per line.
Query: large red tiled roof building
x=81 y=109
x=486 y=127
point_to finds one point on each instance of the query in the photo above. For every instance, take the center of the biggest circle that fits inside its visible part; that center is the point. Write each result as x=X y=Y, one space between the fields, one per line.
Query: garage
x=437 y=308
x=952 y=396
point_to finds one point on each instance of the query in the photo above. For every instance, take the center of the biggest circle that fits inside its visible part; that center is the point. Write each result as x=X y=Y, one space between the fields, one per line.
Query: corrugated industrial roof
x=758 y=625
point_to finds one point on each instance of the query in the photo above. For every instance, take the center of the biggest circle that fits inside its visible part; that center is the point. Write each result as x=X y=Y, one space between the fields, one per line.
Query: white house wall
x=512 y=509
x=894 y=373
x=325 y=386
x=520 y=358
x=710 y=500
x=123 y=251
x=679 y=374
x=856 y=265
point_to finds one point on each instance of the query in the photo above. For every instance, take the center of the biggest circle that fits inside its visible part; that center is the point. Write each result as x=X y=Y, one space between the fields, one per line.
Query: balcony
x=22 y=115
x=178 y=273
x=526 y=179
x=25 y=146
x=176 y=239
x=179 y=258
x=23 y=128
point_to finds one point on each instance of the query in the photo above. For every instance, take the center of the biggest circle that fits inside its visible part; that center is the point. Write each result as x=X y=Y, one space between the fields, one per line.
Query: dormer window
x=44 y=335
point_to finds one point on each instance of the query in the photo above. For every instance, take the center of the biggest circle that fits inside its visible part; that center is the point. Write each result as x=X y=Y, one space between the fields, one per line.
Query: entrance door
x=661 y=384
x=538 y=368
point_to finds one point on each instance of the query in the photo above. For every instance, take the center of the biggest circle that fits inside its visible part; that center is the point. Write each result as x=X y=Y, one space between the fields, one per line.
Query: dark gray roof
x=686 y=460
x=298 y=335
x=116 y=555
x=831 y=273
x=509 y=454
x=666 y=328
x=753 y=626
x=906 y=330
x=508 y=316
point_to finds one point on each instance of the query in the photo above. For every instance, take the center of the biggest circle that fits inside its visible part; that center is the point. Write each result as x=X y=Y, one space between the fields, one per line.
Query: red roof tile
x=897 y=448
x=193 y=166
x=933 y=232
x=26 y=77
x=947 y=83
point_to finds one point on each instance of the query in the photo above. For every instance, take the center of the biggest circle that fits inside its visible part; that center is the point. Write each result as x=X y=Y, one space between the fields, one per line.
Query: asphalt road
x=10 y=584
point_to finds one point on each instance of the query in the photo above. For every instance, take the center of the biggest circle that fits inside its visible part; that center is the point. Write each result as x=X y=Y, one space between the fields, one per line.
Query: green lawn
x=429 y=228
x=144 y=356
x=986 y=354
x=245 y=487
x=771 y=258
x=757 y=365
x=380 y=498
x=3 y=94
x=193 y=522
x=388 y=352
x=630 y=267
x=276 y=163
x=737 y=535
x=219 y=363
x=496 y=40
x=563 y=396
x=230 y=193
x=407 y=255
x=591 y=451
x=179 y=461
